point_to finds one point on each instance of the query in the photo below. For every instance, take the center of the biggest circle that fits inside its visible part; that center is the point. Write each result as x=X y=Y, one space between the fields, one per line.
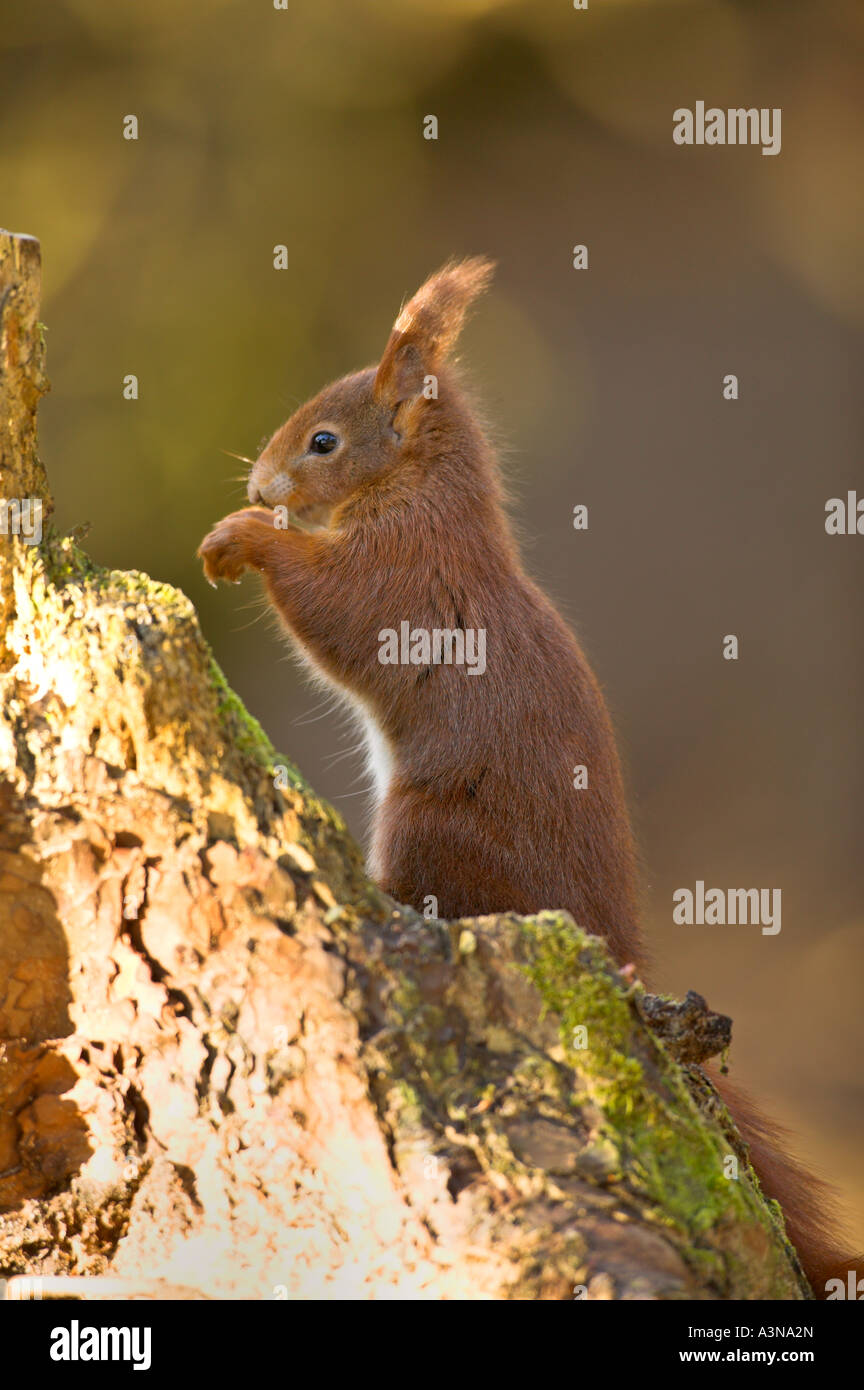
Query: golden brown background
x=304 y=127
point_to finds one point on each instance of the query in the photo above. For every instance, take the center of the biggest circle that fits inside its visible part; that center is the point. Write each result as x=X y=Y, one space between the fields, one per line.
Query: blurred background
x=304 y=127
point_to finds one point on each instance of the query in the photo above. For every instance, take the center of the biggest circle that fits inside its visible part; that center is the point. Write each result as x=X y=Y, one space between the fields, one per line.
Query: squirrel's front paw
x=234 y=545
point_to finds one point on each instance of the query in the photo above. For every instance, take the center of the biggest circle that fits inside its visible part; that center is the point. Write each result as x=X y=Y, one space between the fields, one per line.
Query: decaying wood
x=231 y=1068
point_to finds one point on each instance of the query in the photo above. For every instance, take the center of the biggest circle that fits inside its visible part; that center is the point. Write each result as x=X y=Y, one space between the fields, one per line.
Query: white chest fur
x=379 y=761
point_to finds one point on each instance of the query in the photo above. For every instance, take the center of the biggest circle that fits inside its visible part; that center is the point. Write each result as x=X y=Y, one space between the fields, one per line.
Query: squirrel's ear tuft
x=426 y=330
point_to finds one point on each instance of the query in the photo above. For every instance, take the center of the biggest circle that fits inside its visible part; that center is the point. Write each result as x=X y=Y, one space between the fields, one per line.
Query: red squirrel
x=403 y=534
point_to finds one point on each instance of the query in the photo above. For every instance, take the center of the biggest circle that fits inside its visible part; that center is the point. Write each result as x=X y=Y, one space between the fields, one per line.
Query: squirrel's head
x=357 y=431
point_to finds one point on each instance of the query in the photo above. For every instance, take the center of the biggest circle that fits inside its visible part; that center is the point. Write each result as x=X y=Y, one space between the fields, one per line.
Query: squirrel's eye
x=323 y=442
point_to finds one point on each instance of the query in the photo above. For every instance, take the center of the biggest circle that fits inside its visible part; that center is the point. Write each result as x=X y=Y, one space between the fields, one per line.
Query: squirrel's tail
x=809 y=1205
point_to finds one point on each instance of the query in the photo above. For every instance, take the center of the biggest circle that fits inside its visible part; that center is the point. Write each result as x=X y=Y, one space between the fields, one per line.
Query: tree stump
x=230 y=1067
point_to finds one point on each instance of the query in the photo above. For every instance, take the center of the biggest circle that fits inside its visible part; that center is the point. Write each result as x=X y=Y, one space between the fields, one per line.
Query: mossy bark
x=230 y=1067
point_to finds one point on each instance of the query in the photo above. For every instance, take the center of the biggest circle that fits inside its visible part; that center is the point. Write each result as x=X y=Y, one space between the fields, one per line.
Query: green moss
x=67 y=569
x=66 y=563
x=472 y=1068
x=248 y=737
x=246 y=734
x=672 y=1156
x=408 y=1101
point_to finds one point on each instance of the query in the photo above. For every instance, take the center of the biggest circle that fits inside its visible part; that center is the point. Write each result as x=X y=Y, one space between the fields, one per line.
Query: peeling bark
x=230 y=1067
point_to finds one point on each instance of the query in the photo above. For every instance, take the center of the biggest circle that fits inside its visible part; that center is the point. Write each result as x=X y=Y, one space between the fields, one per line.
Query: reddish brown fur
x=480 y=811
